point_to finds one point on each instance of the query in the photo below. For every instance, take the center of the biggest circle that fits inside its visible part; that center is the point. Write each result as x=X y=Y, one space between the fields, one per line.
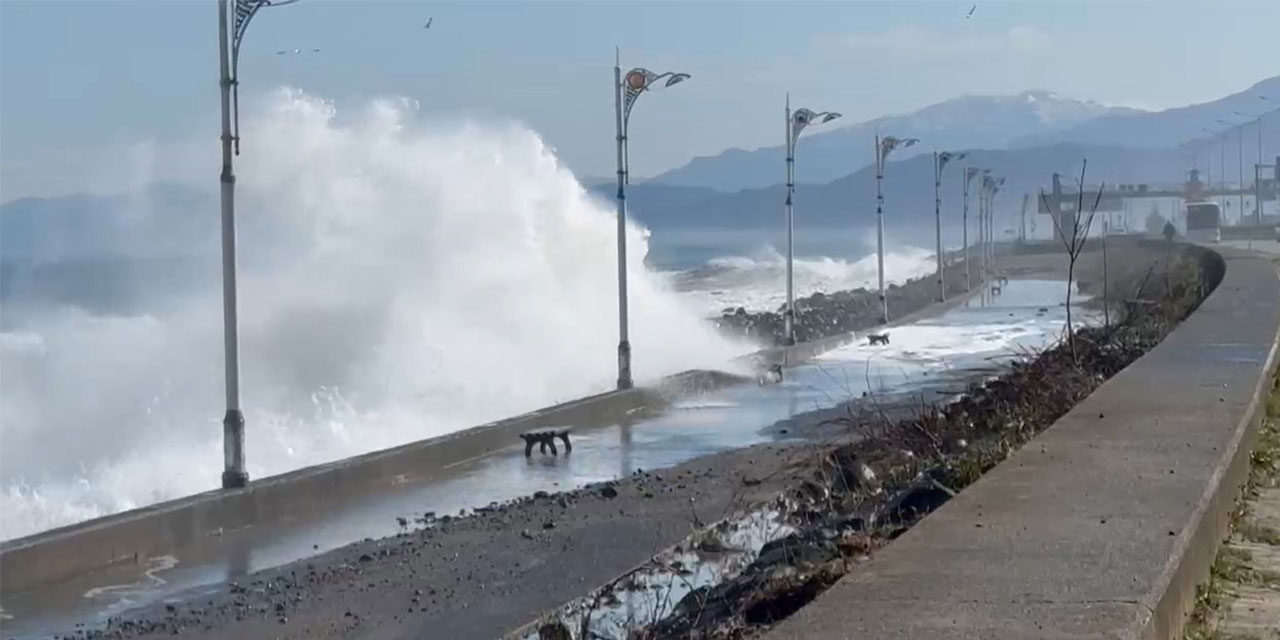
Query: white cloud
x=911 y=40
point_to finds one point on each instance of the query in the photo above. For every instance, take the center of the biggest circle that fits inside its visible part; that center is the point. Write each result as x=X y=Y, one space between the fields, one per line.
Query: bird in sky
x=971 y=10
x=428 y=24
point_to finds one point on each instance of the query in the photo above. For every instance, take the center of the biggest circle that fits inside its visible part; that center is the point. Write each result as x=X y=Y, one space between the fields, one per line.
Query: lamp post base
x=624 y=366
x=233 y=475
x=234 y=479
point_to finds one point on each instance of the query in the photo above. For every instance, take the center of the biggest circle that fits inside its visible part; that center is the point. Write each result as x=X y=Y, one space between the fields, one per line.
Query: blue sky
x=80 y=79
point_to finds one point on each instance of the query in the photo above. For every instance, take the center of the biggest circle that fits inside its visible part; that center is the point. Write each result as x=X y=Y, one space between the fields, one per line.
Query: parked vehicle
x=1204 y=222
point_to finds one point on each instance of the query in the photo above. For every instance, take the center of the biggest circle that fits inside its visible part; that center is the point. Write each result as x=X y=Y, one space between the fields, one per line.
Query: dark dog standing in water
x=878 y=338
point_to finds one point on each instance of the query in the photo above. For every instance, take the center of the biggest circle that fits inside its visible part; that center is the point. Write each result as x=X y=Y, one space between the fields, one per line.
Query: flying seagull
x=428 y=24
x=971 y=10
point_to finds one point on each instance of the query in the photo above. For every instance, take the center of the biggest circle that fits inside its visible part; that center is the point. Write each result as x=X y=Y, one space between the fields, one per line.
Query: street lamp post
x=1208 y=157
x=969 y=174
x=988 y=262
x=1022 y=233
x=234 y=474
x=1257 y=122
x=1240 y=171
x=884 y=146
x=991 y=187
x=940 y=161
x=1222 y=160
x=795 y=124
x=982 y=223
x=1222 y=165
x=1257 y=169
x=626 y=90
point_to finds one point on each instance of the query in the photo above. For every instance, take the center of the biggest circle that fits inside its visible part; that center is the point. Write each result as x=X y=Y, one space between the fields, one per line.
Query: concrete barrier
x=1102 y=526
x=137 y=535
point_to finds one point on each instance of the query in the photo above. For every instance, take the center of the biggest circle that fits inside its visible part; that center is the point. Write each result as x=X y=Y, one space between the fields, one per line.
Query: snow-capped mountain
x=987 y=122
x=1172 y=127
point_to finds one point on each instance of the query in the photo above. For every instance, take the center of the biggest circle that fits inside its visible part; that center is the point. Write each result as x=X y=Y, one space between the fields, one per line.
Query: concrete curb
x=1102 y=526
x=1189 y=565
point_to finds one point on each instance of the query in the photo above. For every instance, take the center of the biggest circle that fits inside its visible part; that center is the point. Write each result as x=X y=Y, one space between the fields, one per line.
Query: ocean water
x=748 y=268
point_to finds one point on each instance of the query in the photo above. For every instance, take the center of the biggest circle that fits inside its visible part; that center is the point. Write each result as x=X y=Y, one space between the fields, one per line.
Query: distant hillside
x=165 y=220
x=988 y=122
x=850 y=201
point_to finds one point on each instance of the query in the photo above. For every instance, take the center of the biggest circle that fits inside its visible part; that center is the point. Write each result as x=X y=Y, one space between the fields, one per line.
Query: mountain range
x=1028 y=119
x=1173 y=127
x=849 y=202
x=990 y=122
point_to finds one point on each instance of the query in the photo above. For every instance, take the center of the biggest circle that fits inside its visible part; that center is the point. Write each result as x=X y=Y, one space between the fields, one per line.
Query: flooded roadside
x=926 y=357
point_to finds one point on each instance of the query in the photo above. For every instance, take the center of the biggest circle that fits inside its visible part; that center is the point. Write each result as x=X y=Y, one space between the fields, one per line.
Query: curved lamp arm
x=889 y=143
x=634 y=83
x=970 y=173
x=245 y=10
x=946 y=157
x=801 y=118
x=639 y=80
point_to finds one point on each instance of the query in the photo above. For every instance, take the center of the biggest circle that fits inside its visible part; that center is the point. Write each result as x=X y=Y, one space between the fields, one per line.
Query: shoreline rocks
x=827 y=314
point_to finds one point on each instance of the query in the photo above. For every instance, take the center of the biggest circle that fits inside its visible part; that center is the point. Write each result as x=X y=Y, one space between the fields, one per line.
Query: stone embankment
x=822 y=314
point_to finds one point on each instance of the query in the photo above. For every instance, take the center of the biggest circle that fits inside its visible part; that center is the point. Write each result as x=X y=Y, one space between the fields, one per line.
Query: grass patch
x=1261 y=534
x=1231 y=566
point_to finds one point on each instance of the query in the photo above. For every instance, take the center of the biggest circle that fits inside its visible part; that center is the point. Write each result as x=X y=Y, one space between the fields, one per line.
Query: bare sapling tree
x=1106 y=277
x=1074 y=236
